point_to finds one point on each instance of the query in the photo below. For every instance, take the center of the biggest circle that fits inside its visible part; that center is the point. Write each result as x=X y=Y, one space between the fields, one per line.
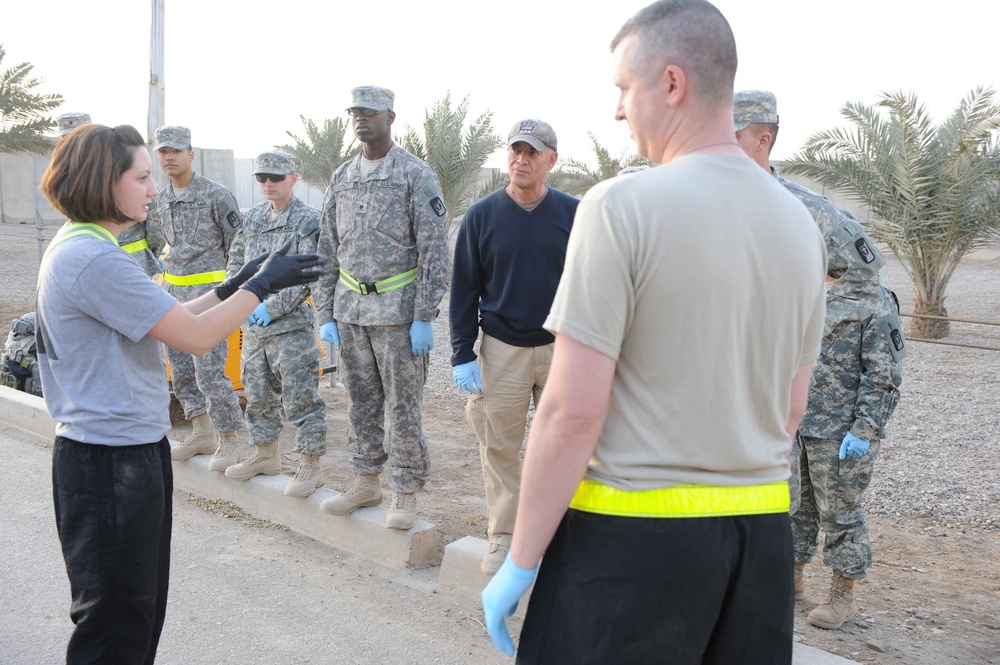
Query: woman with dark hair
x=98 y=321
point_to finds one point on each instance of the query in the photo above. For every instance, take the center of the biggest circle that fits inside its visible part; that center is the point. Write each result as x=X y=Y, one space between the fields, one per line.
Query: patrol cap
x=754 y=107
x=275 y=162
x=535 y=133
x=67 y=121
x=371 y=97
x=178 y=138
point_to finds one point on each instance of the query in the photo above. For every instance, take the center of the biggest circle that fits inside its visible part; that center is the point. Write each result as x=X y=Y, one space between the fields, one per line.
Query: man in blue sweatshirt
x=508 y=260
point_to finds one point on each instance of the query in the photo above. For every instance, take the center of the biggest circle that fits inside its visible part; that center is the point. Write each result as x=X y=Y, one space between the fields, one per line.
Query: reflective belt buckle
x=367 y=288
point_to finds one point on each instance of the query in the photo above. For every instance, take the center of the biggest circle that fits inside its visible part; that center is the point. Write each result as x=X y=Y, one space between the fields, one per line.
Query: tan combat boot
x=263 y=460
x=227 y=454
x=308 y=477
x=364 y=491
x=499 y=546
x=800 y=584
x=402 y=511
x=200 y=442
x=838 y=608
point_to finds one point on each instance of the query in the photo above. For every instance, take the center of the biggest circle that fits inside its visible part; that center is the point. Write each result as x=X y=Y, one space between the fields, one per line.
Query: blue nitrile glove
x=467 y=377
x=421 y=337
x=500 y=600
x=260 y=316
x=853 y=446
x=328 y=333
x=159 y=265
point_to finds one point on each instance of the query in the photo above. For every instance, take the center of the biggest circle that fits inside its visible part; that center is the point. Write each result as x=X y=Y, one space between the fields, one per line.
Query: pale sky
x=239 y=74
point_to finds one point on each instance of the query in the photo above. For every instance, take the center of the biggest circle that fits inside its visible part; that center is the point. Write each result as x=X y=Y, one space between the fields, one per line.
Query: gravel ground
x=940 y=459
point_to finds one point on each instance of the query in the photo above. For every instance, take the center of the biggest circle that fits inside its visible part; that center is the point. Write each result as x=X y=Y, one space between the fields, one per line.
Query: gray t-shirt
x=102 y=377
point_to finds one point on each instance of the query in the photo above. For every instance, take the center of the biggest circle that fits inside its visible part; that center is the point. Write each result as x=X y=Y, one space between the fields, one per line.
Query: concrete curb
x=362 y=533
x=26 y=412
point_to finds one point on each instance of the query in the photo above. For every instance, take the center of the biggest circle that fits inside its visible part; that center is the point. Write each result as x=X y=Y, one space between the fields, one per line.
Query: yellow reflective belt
x=136 y=246
x=682 y=500
x=198 y=278
x=381 y=286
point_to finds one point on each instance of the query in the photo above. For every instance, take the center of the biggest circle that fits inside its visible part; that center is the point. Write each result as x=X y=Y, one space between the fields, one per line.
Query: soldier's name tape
x=381 y=286
x=198 y=278
x=682 y=500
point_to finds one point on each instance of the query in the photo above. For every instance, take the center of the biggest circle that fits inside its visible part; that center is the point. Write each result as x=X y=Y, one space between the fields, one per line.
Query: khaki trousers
x=512 y=376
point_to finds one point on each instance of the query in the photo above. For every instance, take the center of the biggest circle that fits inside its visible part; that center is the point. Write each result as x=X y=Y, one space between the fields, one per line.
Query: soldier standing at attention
x=198 y=218
x=280 y=363
x=855 y=384
x=383 y=239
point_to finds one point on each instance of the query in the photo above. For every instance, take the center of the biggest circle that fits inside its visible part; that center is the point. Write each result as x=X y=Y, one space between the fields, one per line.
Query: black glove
x=280 y=271
x=249 y=269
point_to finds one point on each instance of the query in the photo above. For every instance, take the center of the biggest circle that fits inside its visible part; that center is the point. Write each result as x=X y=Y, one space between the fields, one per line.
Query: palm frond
x=933 y=190
x=24 y=114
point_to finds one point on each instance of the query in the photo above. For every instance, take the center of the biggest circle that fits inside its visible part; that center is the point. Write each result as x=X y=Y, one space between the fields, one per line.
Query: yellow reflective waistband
x=137 y=246
x=198 y=278
x=381 y=286
x=682 y=500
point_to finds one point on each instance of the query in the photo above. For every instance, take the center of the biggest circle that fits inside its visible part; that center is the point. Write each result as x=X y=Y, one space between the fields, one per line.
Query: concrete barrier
x=363 y=532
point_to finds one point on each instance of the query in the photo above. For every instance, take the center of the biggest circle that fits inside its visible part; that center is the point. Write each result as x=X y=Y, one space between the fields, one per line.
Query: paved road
x=239 y=593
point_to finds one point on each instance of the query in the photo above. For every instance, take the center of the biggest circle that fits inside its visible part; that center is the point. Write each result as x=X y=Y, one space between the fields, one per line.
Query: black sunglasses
x=356 y=111
x=264 y=177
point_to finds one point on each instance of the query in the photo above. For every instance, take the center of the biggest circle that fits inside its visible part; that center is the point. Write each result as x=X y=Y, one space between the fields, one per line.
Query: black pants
x=666 y=591
x=113 y=513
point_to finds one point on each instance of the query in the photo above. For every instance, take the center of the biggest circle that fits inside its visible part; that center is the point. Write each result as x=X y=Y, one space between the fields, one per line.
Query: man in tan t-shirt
x=687 y=322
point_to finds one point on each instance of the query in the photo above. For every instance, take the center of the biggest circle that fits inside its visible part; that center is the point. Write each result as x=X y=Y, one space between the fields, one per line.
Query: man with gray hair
x=668 y=413
x=855 y=385
x=198 y=218
x=280 y=356
x=508 y=259
x=383 y=239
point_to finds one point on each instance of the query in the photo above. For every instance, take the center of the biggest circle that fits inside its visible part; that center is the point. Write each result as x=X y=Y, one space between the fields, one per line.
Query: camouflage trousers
x=384 y=379
x=832 y=495
x=201 y=384
x=795 y=480
x=282 y=372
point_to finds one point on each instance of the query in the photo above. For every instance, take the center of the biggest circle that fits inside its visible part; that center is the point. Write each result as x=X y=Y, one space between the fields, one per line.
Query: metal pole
x=156 y=86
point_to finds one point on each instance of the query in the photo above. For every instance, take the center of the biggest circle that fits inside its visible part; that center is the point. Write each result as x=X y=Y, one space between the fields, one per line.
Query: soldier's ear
x=390 y=115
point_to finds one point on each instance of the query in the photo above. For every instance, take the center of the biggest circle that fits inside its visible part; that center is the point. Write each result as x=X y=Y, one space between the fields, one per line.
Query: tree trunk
x=928 y=328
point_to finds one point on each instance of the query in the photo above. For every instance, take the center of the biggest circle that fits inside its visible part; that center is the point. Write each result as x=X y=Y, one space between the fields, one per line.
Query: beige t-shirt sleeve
x=595 y=301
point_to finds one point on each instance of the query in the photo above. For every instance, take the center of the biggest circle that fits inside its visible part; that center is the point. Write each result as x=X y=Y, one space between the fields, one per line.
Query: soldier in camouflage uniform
x=198 y=219
x=383 y=239
x=280 y=363
x=855 y=385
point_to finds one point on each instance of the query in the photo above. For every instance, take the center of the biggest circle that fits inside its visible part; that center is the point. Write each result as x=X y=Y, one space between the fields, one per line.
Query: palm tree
x=321 y=151
x=24 y=114
x=933 y=191
x=455 y=152
x=576 y=177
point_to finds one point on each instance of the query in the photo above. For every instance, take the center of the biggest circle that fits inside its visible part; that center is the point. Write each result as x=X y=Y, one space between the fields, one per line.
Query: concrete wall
x=20 y=176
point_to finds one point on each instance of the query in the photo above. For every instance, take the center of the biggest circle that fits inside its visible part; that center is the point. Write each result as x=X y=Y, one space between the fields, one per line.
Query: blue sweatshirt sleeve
x=466 y=282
